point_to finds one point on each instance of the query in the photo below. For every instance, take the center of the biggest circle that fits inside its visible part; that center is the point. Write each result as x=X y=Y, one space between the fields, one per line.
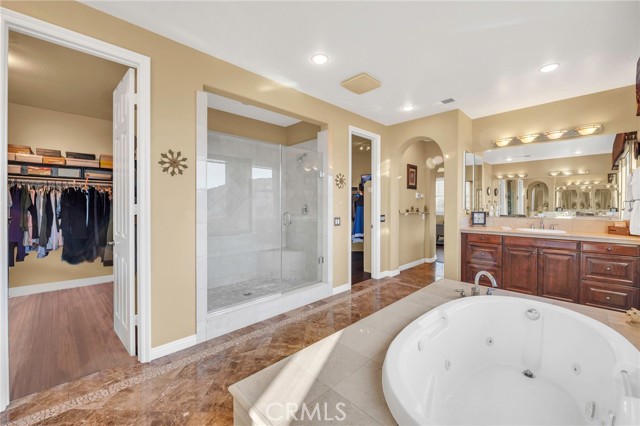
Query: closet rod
x=48 y=180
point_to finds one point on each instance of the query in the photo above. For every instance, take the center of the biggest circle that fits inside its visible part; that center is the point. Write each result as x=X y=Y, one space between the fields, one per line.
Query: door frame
x=10 y=20
x=375 y=199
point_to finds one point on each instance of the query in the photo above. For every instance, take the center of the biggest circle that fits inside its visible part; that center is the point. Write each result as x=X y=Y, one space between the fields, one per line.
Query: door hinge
x=135 y=320
x=321 y=259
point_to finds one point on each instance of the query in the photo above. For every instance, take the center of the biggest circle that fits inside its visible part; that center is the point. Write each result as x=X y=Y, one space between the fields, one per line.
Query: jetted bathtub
x=497 y=360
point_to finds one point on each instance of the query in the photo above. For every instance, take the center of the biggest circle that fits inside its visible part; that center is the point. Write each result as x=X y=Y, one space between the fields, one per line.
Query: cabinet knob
x=608 y=297
x=534 y=252
x=608 y=268
x=609 y=248
x=482 y=253
x=482 y=238
x=541 y=252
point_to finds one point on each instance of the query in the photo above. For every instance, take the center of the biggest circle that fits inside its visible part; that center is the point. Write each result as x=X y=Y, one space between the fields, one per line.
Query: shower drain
x=528 y=373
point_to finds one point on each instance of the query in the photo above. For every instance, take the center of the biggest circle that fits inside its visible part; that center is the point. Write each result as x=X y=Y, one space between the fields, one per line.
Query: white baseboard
x=60 y=285
x=342 y=288
x=172 y=347
x=393 y=273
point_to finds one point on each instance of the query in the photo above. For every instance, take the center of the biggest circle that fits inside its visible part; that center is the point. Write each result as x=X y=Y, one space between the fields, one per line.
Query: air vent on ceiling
x=447 y=101
x=361 y=83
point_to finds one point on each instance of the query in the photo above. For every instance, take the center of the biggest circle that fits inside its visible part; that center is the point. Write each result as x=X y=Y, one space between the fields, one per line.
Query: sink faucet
x=475 y=290
x=542 y=223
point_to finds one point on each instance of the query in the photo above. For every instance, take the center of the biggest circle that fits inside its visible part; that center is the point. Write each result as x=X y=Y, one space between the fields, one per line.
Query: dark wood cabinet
x=558 y=274
x=599 y=274
x=481 y=253
x=610 y=275
x=520 y=270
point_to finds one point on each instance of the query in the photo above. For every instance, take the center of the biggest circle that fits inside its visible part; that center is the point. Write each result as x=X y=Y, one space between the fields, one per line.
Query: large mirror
x=472 y=194
x=574 y=178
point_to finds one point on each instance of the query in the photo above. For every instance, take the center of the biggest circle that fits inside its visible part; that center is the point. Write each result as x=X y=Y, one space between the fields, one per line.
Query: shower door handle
x=286 y=218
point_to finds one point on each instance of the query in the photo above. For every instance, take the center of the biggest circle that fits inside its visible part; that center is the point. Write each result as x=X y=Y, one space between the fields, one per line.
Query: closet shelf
x=55 y=168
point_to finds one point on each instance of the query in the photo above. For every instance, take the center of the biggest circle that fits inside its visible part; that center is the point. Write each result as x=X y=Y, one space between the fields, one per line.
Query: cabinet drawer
x=482 y=238
x=608 y=296
x=473 y=269
x=484 y=253
x=541 y=243
x=606 y=248
x=621 y=270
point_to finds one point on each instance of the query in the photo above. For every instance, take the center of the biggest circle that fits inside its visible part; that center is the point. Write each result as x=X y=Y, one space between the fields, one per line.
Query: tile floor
x=191 y=387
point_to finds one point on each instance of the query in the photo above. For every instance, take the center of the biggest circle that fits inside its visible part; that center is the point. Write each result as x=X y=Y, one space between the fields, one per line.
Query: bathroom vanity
x=592 y=269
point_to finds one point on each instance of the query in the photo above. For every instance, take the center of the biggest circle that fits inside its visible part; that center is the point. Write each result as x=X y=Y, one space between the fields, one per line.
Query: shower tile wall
x=243 y=210
x=249 y=253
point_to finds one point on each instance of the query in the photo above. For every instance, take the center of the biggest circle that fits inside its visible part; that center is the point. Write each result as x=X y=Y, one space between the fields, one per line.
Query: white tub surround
x=544 y=363
x=346 y=367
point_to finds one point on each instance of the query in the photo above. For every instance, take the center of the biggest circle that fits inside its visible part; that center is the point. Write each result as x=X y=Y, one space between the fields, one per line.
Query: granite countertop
x=570 y=235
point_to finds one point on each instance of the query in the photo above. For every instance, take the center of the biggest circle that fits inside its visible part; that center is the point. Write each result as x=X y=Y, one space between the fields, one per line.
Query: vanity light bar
x=582 y=130
x=569 y=172
x=510 y=175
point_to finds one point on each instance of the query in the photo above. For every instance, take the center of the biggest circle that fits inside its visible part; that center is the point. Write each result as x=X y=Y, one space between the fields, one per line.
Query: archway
x=412 y=230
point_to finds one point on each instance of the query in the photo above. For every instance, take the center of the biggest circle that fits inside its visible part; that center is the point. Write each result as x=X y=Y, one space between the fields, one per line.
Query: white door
x=123 y=211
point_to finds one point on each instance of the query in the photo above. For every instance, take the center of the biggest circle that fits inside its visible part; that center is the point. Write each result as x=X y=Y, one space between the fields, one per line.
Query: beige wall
x=614 y=109
x=232 y=124
x=43 y=128
x=301 y=132
x=412 y=226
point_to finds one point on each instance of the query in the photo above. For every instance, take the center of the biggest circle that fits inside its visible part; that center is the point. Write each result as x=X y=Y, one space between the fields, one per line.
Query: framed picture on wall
x=412 y=176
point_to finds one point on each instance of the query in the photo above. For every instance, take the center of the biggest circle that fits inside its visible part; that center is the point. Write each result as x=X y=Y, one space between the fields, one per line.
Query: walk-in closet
x=61 y=215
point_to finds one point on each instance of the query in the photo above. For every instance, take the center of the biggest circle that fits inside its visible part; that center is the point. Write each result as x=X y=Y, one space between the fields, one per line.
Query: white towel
x=634 y=216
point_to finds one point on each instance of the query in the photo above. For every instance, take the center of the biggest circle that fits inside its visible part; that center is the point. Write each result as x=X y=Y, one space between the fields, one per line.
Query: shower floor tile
x=246 y=291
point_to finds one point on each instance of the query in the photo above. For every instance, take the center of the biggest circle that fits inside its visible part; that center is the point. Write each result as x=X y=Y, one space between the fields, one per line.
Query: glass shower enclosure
x=264 y=227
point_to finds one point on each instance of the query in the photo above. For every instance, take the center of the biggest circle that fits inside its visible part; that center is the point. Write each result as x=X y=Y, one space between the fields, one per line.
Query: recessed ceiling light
x=549 y=67
x=319 y=58
x=407 y=108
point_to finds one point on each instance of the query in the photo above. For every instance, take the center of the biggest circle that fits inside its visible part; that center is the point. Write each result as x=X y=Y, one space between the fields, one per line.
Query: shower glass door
x=301 y=225
x=264 y=233
x=243 y=220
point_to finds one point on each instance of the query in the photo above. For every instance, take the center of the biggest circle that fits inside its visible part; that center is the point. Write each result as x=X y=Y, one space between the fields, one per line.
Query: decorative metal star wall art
x=173 y=163
x=341 y=181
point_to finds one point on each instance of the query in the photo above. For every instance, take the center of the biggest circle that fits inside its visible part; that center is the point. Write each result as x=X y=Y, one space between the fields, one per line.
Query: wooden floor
x=357 y=268
x=59 y=336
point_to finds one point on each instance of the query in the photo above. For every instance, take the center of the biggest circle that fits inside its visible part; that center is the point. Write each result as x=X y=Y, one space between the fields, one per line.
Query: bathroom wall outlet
x=336 y=221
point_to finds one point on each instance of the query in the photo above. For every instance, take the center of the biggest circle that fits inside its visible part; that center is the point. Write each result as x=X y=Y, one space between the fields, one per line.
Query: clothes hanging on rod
x=357 y=234
x=47 y=215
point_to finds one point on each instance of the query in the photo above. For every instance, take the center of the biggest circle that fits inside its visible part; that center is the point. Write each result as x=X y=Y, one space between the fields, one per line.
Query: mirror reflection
x=473 y=182
x=574 y=178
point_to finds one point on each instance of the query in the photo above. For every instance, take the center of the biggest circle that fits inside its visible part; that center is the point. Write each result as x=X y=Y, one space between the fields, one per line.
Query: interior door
x=123 y=211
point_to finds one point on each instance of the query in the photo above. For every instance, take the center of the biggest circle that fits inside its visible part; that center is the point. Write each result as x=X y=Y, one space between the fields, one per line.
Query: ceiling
x=485 y=55
x=578 y=147
x=45 y=75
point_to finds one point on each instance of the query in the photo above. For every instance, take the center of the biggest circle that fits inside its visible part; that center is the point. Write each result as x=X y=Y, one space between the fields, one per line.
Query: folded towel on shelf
x=634 y=206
